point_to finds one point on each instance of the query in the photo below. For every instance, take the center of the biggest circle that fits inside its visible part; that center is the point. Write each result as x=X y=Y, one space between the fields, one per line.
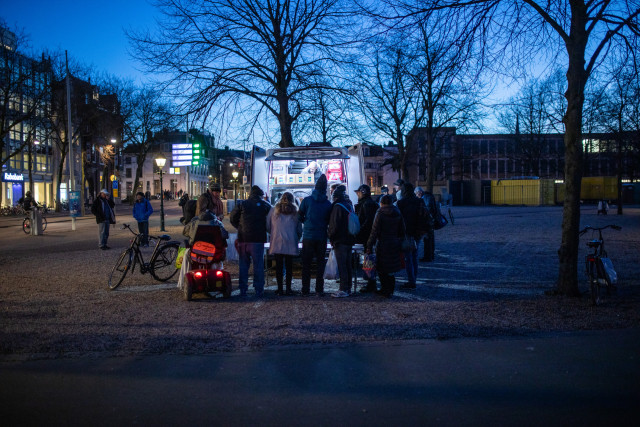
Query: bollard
x=36 y=222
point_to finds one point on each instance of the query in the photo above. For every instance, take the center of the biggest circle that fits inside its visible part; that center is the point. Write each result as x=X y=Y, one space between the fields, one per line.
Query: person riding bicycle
x=28 y=202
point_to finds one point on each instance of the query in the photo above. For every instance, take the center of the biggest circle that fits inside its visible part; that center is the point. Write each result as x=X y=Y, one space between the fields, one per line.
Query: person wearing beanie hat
x=397 y=188
x=250 y=219
x=366 y=210
x=103 y=208
x=341 y=240
x=142 y=210
x=211 y=201
x=314 y=215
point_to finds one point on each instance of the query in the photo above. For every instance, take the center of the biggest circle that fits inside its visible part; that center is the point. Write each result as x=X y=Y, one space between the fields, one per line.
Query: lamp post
x=160 y=161
x=234 y=174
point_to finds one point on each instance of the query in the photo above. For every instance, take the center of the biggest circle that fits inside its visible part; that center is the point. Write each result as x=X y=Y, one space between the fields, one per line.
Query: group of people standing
x=393 y=231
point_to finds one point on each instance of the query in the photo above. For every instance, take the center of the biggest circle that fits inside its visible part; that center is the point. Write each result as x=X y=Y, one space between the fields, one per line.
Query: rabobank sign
x=14 y=177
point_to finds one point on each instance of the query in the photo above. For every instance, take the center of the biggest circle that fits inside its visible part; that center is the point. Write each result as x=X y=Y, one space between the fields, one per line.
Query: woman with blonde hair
x=285 y=231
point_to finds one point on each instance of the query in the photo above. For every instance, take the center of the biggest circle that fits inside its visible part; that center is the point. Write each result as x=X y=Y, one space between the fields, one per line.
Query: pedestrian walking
x=104 y=210
x=429 y=240
x=250 y=219
x=341 y=240
x=210 y=201
x=314 y=216
x=366 y=210
x=414 y=213
x=142 y=210
x=397 y=189
x=387 y=234
x=285 y=231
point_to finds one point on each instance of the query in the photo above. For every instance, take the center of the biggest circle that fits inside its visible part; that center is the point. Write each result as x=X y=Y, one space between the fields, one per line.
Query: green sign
x=196 y=153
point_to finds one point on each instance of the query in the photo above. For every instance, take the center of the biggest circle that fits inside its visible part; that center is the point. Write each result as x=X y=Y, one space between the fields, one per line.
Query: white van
x=296 y=169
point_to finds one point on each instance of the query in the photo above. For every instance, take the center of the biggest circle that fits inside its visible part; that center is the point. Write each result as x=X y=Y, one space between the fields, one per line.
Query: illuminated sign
x=8 y=176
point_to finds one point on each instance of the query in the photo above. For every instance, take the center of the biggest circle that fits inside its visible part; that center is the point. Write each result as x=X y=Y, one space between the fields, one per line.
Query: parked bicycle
x=161 y=265
x=599 y=267
x=26 y=223
x=449 y=212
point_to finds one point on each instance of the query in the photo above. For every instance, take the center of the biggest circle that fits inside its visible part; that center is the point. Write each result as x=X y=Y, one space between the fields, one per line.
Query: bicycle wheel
x=594 y=286
x=44 y=223
x=163 y=265
x=26 y=226
x=120 y=270
x=451 y=217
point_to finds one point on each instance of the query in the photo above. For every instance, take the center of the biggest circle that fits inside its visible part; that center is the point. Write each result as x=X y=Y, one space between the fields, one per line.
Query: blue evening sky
x=91 y=31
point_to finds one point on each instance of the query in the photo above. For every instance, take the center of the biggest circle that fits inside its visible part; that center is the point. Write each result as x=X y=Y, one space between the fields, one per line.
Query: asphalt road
x=585 y=379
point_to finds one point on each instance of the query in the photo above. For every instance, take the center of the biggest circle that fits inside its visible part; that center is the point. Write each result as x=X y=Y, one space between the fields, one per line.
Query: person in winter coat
x=250 y=219
x=412 y=210
x=366 y=210
x=285 y=231
x=103 y=208
x=387 y=234
x=142 y=210
x=341 y=240
x=211 y=201
x=314 y=216
x=28 y=202
x=429 y=238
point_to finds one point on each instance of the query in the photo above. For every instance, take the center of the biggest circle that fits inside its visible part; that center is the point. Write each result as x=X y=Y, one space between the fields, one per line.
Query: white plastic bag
x=331 y=269
x=609 y=271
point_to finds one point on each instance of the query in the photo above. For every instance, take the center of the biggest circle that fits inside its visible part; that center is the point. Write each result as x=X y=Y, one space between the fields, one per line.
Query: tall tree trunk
x=576 y=78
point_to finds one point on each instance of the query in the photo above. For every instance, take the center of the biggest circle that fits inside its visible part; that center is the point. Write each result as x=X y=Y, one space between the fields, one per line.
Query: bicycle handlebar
x=588 y=227
x=128 y=227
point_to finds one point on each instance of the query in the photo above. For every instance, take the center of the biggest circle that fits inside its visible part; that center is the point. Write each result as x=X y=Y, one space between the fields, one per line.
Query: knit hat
x=321 y=183
x=214 y=186
x=399 y=182
x=339 y=192
x=256 y=191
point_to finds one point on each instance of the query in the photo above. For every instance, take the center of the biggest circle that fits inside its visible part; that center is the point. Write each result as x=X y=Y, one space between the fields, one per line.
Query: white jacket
x=285 y=232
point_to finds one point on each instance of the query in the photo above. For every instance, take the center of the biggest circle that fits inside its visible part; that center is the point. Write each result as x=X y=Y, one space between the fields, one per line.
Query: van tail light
x=198 y=274
x=219 y=273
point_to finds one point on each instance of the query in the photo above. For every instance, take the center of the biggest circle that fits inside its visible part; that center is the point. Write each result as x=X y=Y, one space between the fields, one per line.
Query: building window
x=128 y=172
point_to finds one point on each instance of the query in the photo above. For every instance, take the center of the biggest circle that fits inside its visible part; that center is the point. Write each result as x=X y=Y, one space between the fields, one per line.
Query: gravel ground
x=489 y=279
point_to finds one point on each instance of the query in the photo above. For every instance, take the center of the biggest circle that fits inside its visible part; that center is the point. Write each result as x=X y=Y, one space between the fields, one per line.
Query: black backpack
x=189 y=211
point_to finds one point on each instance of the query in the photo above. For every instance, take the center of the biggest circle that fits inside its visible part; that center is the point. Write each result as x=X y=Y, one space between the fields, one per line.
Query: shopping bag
x=369 y=266
x=331 y=269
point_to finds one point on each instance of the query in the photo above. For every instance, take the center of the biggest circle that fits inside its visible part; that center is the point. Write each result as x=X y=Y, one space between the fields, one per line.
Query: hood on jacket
x=256 y=192
x=389 y=210
x=321 y=184
x=319 y=195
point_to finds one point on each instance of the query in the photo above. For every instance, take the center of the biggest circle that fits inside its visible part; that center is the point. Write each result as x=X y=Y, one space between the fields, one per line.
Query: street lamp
x=112 y=157
x=234 y=174
x=160 y=161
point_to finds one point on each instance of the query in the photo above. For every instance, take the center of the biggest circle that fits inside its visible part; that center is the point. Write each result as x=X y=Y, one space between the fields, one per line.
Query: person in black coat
x=411 y=208
x=250 y=218
x=366 y=210
x=386 y=236
x=103 y=208
x=341 y=240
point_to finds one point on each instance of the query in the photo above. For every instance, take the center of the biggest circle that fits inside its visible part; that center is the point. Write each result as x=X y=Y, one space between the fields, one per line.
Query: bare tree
x=144 y=113
x=264 y=52
x=390 y=100
x=580 y=34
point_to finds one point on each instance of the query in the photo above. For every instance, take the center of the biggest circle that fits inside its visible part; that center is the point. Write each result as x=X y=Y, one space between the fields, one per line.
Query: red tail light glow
x=198 y=274
x=219 y=273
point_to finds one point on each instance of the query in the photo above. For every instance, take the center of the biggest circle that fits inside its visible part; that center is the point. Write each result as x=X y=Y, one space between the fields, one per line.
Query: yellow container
x=528 y=192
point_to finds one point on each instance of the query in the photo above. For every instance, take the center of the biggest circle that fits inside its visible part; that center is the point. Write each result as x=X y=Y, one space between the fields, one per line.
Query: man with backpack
x=211 y=201
x=366 y=210
x=341 y=238
x=314 y=215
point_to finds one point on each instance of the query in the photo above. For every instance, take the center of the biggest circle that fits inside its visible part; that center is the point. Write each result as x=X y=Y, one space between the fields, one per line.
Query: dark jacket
x=388 y=232
x=97 y=209
x=206 y=202
x=250 y=218
x=411 y=208
x=142 y=210
x=339 y=221
x=314 y=215
x=366 y=210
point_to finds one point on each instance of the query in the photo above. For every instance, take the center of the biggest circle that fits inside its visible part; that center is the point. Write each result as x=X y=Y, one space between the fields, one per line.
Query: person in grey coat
x=285 y=231
x=386 y=236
